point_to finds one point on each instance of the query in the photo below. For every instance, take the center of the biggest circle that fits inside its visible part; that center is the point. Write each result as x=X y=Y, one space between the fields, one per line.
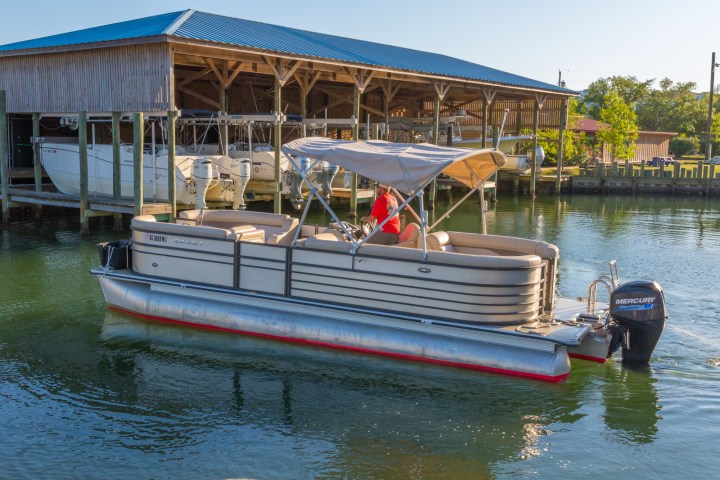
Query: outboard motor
x=241 y=170
x=637 y=315
x=329 y=171
x=203 y=176
x=539 y=156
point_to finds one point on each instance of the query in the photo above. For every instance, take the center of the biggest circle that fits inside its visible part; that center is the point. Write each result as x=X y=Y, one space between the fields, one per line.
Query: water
x=85 y=393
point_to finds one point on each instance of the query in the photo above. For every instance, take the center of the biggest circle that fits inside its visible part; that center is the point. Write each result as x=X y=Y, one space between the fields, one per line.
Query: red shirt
x=383 y=206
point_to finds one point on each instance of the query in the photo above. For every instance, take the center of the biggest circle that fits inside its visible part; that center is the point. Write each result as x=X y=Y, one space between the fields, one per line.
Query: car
x=656 y=161
x=713 y=161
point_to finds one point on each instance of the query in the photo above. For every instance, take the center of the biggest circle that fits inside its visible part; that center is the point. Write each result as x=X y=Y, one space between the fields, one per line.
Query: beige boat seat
x=443 y=242
x=478 y=244
x=409 y=236
x=278 y=229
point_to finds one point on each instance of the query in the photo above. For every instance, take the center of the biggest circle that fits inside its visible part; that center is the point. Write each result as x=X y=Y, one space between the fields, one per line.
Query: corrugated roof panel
x=234 y=31
x=143 y=27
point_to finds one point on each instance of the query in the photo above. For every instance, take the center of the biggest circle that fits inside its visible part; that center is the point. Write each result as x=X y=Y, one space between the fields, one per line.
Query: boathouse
x=159 y=65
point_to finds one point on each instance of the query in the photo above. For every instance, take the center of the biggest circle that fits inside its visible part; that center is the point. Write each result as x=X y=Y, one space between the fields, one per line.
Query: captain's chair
x=409 y=236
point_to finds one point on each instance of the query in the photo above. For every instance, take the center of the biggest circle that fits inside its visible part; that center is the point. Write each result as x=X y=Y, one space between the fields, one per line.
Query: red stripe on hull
x=588 y=357
x=402 y=356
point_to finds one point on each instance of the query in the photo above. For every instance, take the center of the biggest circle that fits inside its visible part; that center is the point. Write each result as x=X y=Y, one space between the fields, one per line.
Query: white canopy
x=407 y=167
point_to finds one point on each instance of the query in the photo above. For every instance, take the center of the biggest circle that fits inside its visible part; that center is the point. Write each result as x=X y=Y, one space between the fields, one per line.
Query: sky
x=581 y=40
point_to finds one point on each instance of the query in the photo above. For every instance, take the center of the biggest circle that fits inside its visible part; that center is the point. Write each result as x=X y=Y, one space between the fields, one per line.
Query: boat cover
x=406 y=166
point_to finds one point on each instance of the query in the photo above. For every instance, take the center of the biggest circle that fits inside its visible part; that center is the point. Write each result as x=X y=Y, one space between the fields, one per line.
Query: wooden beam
x=489 y=94
x=211 y=64
x=236 y=72
x=193 y=77
x=361 y=78
x=203 y=98
x=441 y=89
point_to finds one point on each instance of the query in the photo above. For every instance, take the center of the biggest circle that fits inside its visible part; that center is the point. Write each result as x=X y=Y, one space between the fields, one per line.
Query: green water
x=85 y=393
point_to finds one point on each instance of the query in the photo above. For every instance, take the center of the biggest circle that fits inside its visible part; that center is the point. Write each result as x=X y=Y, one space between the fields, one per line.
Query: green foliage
x=679 y=147
x=630 y=89
x=548 y=140
x=620 y=132
x=673 y=108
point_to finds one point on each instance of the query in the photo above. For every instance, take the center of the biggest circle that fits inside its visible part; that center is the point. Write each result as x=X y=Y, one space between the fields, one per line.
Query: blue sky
x=584 y=40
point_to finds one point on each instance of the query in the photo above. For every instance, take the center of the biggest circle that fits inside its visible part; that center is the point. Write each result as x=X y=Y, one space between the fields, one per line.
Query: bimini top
x=207 y=27
x=408 y=167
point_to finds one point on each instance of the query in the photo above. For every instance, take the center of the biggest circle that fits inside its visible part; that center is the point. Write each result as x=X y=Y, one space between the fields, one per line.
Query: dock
x=97 y=206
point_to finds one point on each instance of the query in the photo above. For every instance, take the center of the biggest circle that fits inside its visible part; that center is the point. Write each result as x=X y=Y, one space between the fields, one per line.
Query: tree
x=630 y=89
x=673 y=108
x=620 y=132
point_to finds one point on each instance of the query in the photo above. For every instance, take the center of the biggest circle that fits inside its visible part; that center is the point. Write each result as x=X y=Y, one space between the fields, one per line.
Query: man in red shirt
x=384 y=205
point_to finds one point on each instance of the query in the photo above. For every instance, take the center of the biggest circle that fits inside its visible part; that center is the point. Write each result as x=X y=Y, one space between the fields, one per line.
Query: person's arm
x=374 y=212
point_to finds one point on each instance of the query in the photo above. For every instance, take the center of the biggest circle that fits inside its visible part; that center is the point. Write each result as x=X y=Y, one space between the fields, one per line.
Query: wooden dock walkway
x=97 y=206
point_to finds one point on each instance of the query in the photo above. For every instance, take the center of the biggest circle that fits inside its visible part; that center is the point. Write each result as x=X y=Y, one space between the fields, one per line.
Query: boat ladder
x=611 y=282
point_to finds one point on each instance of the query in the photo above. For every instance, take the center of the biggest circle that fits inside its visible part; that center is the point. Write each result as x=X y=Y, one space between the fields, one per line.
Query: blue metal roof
x=284 y=40
x=143 y=27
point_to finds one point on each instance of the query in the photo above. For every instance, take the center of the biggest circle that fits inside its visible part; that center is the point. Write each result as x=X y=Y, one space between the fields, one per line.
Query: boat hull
x=323 y=326
x=61 y=162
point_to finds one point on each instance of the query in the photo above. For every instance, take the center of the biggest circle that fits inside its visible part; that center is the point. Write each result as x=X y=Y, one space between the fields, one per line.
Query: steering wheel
x=365 y=228
x=354 y=230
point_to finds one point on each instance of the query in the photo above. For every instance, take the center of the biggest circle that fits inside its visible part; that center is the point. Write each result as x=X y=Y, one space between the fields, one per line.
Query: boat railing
x=611 y=282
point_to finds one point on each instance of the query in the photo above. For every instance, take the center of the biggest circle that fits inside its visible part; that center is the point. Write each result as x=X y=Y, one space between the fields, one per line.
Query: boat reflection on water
x=354 y=410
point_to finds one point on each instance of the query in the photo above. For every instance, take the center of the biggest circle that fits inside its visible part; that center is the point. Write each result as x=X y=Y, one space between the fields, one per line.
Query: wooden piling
x=4 y=174
x=37 y=168
x=533 y=168
x=83 y=149
x=171 y=165
x=277 y=197
x=436 y=141
x=116 y=176
x=138 y=146
x=484 y=123
x=356 y=136
x=561 y=149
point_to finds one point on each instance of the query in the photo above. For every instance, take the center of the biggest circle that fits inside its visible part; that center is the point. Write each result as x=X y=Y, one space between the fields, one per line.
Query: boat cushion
x=143 y=222
x=248 y=233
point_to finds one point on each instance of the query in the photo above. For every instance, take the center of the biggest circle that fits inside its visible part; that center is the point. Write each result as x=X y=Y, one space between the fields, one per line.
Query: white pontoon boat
x=467 y=300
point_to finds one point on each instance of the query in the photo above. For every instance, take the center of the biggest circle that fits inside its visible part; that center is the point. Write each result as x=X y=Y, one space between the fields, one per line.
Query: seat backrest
x=410 y=234
x=439 y=241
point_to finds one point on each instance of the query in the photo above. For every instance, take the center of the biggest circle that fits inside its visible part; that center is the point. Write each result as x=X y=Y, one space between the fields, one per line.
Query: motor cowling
x=638 y=312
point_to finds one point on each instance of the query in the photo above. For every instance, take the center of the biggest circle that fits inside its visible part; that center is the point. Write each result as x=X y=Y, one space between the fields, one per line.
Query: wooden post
x=138 y=146
x=82 y=144
x=356 y=136
x=223 y=129
x=533 y=168
x=37 y=167
x=116 y=175
x=436 y=141
x=172 y=200
x=4 y=174
x=561 y=149
x=484 y=123
x=386 y=114
x=277 y=198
